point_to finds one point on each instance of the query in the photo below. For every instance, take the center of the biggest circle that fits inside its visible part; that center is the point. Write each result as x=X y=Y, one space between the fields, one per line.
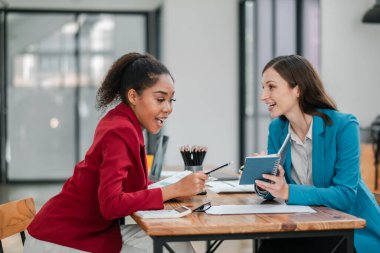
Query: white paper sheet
x=170 y=173
x=229 y=186
x=261 y=208
x=170 y=180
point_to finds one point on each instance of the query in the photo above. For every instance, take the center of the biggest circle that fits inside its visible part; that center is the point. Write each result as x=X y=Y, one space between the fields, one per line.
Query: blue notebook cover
x=255 y=166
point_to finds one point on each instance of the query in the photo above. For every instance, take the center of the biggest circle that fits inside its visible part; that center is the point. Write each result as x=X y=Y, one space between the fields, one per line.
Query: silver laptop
x=158 y=160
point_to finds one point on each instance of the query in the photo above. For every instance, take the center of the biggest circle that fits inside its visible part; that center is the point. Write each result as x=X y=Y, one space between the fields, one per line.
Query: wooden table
x=202 y=227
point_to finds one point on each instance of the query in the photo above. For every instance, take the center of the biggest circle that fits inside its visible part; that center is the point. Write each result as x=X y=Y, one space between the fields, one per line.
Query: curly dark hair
x=298 y=71
x=131 y=71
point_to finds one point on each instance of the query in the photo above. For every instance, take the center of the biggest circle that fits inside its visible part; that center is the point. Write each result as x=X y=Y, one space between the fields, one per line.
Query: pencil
x=217 y=168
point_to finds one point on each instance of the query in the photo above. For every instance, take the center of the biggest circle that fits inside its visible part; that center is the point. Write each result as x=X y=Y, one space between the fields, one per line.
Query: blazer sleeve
x=117 y=162
x=341 y=194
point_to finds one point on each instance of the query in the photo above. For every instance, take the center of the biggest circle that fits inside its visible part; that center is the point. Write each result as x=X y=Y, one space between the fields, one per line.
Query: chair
x=377 y=197
x=15 y=217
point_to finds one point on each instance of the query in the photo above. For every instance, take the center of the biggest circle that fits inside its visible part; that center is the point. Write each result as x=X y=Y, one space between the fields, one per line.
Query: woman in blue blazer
x=323 y=165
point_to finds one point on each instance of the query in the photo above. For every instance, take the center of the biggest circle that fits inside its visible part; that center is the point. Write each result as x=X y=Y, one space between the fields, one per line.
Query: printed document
x=170 y=180
x=255 y=209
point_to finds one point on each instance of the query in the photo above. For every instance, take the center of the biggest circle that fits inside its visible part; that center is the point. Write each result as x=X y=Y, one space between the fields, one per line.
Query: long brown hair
x=298 y=71
x=131 y=71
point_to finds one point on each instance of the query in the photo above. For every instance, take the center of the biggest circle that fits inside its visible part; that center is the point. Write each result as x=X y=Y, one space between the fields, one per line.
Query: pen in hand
x=217 y=168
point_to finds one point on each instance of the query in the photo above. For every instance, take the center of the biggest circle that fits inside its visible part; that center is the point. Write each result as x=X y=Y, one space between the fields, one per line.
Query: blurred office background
x=54 y=55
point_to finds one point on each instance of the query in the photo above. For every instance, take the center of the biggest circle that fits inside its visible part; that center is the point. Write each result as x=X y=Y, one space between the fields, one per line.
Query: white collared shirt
x=301 y=169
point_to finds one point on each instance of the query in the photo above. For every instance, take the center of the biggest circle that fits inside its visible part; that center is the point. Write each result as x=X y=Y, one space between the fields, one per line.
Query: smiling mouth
x=161 y=120
x=270 y=106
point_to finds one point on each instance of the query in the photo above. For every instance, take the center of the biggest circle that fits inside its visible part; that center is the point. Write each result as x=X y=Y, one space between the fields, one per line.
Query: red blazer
x=110 y=183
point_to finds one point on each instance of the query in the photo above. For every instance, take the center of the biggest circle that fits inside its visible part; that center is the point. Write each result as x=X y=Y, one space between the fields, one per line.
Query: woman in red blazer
x=111 y=182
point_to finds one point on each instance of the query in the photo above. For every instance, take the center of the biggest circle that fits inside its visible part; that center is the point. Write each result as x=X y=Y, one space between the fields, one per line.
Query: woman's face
x=280 y=98
x=154 y=105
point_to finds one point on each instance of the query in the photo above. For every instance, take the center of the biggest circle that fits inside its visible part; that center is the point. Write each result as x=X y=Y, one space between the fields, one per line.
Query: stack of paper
x=229 y=186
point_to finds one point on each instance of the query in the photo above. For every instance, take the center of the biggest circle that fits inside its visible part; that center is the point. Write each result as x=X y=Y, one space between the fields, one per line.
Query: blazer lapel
x=288 y=160
x=144 y=163
x=318 y=151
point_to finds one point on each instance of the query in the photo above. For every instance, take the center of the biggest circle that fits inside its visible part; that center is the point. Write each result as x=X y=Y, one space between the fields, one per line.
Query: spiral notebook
x=255 y=166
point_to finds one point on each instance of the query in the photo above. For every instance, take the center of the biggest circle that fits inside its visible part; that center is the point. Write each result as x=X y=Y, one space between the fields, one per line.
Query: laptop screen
x=158 y=160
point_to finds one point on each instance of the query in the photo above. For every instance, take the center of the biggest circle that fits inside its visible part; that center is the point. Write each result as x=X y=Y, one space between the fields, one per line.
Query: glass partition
x=269 y=29
x=55 y=63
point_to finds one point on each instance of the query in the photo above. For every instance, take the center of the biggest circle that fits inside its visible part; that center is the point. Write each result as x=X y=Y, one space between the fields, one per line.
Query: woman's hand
x=278 y=187
x=186 y=187
x=259 y=154
x=192 y=184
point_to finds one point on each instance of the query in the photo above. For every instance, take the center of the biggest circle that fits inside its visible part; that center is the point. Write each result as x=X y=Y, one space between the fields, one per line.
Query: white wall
x=200 y=47
x=350 y=52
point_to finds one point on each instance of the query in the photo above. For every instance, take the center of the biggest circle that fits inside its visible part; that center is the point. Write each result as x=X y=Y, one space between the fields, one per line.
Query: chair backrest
x=15 y=217
x=377 y=197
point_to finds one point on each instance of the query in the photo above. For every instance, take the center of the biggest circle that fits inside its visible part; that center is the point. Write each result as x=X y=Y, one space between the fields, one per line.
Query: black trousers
x=300 y=245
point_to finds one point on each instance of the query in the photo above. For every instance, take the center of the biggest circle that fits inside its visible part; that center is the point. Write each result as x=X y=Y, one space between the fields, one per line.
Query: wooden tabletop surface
x=202 y=223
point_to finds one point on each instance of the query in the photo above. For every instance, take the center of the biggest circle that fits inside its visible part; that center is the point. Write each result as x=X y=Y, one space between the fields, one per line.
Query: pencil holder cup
x=194 y=168
x=193 y=159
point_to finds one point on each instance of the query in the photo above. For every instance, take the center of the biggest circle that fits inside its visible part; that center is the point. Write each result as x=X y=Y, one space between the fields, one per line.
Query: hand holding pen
x=188 y=186
x=198 y=179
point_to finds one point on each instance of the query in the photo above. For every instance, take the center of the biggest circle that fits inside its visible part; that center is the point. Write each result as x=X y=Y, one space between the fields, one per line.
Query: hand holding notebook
x=256 y=166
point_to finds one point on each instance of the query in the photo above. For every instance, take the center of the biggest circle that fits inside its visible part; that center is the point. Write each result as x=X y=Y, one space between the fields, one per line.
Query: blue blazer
x=336 y=173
